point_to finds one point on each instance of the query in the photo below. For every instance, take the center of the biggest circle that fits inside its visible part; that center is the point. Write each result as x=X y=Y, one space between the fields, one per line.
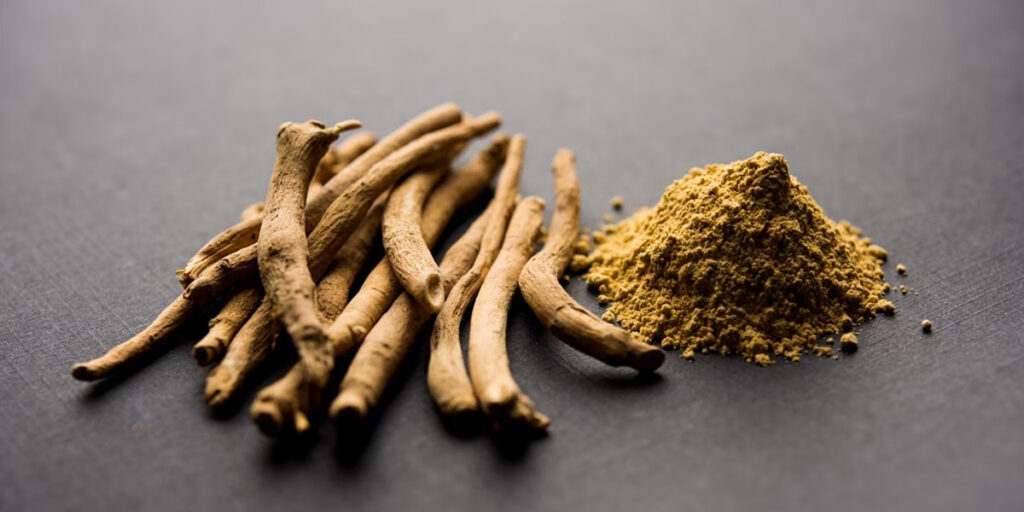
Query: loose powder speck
x=737 y=259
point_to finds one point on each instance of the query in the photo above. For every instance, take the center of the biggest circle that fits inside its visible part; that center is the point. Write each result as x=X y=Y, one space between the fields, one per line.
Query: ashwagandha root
x=391 y=338
x=283 y=402
x=340 y=219
x=258 y=335
x=333 y=289
x=499 y=395
x=226 y=323
x=281 y=249
x=446 y=373
x=284 y=405
x=381 y=287
x=293 y=297
x=171 y=318
x=406 y=250
x=563 y=316
x=244 y=234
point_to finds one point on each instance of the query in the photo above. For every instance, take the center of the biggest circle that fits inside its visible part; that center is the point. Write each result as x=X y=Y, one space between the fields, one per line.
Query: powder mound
x=737 y=259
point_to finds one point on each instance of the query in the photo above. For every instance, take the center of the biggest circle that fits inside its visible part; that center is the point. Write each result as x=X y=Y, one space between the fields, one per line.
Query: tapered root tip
x=434 y=292
x=649 y=359
x=84 y=372
x=267 y=417
x=349 y=409
x=204 y=355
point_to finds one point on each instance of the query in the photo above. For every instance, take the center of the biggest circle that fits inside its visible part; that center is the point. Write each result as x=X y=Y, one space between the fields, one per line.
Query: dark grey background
x=130 y=133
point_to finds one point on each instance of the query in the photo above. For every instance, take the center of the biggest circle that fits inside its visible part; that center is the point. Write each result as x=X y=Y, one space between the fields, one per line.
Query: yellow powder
x=737 y=259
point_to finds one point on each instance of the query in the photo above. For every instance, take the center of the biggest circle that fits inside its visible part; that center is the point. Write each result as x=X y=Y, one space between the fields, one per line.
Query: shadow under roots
x=513 y=444
x=354 y=439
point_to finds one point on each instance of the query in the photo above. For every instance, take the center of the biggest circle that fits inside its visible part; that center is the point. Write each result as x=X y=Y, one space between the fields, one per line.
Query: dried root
x=245 y=233
x=446 y=373
x=281 y=248
x=282 y=402
x=345 y=212
x=499 y=395
x=404 y=245
x=563 y=316
x=226 y=323
x=381 y=286
x=258 y=335
x=391 y=338
x=171 y=318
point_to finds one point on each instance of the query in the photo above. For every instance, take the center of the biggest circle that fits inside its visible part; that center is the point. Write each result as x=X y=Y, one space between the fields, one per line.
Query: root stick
x=563 y=316
x=446 y=373
x=499 y=395
x=406 y=250
x=226 y=323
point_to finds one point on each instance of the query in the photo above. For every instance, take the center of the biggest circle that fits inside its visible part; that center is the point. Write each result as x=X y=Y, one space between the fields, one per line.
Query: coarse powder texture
x=737 y=259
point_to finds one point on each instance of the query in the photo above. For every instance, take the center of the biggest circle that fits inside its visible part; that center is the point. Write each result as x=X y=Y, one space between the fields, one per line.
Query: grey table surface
x=131 y=132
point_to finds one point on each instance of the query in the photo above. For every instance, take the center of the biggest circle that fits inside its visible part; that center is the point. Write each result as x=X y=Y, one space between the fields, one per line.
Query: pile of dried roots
x=285 y=271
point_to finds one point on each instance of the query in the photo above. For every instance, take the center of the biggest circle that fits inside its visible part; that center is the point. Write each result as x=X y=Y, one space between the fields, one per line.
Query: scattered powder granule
x=737 y=259
x=901 y=269
x=926 y=325
x=617 y=202
x=903 y=289
x=608 y=217
x=848 y=343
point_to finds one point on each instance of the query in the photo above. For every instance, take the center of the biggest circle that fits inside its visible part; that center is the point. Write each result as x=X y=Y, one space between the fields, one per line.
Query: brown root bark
x=406 y=250
x=381 y=287
x=226 y=323
x=391 y=338
x=283 y=404
x=446 y=373
x=563 y=316
x=282 y=252
x=171 y=318
x=499 y=395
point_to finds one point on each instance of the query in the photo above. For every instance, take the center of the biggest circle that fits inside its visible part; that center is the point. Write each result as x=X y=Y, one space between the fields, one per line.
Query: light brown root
x=391 y=338
x=446 y=373
x=563 y=316
x=121 y=356
x=499 y=395
x=381 y=287
x=258 y=335
x=292 y=293
x=406 y=250
x=339 y=156
x=281 y=248
x=227 y=242
x=283 y=405
x=225 y=324
x=244 y=234
x=244 y=354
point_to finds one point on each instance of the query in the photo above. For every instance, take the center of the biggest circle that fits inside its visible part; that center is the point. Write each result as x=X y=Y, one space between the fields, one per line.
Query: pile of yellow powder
x=737 y=259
